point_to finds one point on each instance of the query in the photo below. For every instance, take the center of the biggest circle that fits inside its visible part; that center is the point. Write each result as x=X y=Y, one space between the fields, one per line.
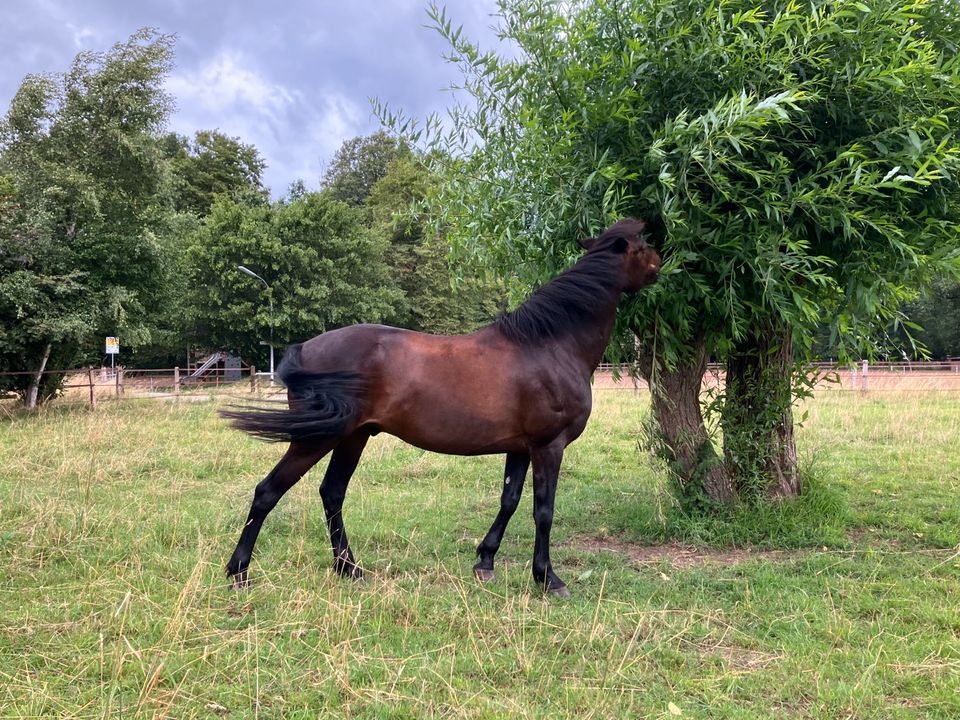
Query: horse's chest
x=558 y=408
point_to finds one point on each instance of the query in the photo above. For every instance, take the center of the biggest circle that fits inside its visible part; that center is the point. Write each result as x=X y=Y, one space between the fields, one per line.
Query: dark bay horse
x=520 y=386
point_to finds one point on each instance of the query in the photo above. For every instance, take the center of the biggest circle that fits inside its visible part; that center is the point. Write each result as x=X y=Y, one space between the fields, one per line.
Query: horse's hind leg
x=513 y=477
x=333 y=489
x=295 y=463
x=546 y=470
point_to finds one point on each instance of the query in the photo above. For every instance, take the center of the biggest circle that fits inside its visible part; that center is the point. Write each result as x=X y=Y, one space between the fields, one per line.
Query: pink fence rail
x=861 y=376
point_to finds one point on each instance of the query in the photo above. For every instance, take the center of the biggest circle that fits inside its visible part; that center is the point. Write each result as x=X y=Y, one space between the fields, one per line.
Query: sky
x=294 y=78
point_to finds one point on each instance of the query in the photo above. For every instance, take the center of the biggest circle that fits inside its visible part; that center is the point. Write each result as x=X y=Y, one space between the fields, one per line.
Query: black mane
x=570 y=300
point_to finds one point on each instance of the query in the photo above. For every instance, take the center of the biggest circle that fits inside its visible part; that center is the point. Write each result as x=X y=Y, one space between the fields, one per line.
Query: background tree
x=167 y=316
x=297 y=189
x=796 y=160
x=41 y=298
x=324 y=267
x=84 y=194
x=359 y=164
x=420 y=260
x=937 y=312
x=213 y=164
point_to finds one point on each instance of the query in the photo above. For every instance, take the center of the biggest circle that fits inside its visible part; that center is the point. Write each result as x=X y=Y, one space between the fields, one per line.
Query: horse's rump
x=322 y=405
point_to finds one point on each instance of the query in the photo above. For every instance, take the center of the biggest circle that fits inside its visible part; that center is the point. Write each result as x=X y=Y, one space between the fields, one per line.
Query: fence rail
x=948 y=365
x=120 y=383
x=862 y=375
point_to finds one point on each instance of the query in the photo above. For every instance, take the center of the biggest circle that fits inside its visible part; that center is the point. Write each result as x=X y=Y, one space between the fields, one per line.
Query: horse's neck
x=592 y=339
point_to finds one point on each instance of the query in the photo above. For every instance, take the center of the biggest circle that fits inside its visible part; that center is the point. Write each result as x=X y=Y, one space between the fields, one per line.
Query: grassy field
x=115 y=524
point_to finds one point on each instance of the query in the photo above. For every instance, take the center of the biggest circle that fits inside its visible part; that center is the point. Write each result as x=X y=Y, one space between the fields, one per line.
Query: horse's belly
x=455 y=428
x=488 y=423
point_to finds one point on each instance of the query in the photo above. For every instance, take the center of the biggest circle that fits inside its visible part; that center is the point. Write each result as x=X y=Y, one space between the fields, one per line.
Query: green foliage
x=213 y=164
x=168 y=314
x=937 y=313
x=39 y=293
x=324 y=269
x=820 y=516
x=797 y=160
x=359 y=164
x=83 y=201
x=108 y=226
x=420 y=262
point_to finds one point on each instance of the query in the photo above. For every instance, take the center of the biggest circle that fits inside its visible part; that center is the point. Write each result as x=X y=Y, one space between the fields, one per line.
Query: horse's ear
x=586 y=243
x=619 y=245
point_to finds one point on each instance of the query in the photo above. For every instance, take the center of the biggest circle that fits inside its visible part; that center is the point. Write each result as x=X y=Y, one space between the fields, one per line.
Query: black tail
x=324 y=405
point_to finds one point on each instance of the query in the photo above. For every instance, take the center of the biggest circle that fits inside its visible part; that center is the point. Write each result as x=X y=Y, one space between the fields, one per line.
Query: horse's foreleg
x=546 y=470
x=333 y=489
x=295 y=463
x=513 y=477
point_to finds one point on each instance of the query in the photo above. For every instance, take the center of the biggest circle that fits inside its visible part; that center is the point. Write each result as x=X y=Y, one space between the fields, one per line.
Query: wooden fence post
x=117 y=383
x=93 y=393
x=176 y=381
x=863 y=376
x=253 y=379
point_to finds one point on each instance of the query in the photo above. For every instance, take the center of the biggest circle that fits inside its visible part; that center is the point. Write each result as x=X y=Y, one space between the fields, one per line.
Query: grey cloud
x=293 y=78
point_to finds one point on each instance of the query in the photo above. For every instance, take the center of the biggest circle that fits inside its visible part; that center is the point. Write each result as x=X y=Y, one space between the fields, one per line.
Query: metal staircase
x=207 y=364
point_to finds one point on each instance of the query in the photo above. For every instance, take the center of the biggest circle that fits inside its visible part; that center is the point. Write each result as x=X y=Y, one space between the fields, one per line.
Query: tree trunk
x=680 y=435
x=757 y=416
x=33 y=390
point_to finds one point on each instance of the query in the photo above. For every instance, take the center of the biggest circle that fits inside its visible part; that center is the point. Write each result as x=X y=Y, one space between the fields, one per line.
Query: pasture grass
x=115 y=525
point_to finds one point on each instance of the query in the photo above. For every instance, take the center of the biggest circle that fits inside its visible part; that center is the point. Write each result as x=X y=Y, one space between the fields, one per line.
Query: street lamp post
x=251 y=273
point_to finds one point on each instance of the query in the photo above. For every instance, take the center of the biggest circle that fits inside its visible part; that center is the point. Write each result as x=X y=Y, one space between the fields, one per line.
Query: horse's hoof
x=240 y=581
x=559 y=591
x=484 y=575
x=349 y=571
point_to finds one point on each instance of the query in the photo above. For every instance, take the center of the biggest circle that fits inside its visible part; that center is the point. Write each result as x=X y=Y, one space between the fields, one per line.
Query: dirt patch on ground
x=858 y=535
x=675 y=554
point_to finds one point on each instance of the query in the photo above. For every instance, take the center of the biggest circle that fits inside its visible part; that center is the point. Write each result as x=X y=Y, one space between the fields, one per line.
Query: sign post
x=113 y=348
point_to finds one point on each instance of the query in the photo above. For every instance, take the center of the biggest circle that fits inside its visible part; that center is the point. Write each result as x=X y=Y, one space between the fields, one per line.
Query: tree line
x=110 y=226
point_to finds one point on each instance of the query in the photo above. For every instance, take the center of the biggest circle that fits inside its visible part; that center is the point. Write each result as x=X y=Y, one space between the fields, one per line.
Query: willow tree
x=796 y=163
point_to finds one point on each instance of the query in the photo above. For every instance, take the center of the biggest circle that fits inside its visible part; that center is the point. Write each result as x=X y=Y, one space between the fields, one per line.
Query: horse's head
x=627 y=240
